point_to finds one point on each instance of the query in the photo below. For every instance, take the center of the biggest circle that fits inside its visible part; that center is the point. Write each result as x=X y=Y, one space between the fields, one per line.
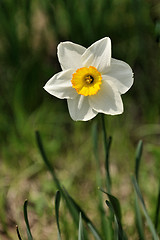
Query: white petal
x=60 y=85
x=80 y=109
x=122 y=75
x=107 y=100
x=69 y=55
x=98 y=55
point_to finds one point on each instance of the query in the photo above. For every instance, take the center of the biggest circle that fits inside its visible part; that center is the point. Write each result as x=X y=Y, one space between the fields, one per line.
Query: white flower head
x=90 y=80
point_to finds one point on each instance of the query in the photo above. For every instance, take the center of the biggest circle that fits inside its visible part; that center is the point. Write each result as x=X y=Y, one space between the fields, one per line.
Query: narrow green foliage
x=57 y=203
x=26 y=221
x=138 y=216
x=157 y=208
x=80 y=231
x=84 y=216
x=94 y=231
x=73 y=207
x=119 y=234
x=114 y=206
x=108 y=178
x=107 y=145
x=150 y=224
x=105 y=225
x=18 y=233
x=117 y=230
x=45 y=159
x=78 y=214
x=138 y=157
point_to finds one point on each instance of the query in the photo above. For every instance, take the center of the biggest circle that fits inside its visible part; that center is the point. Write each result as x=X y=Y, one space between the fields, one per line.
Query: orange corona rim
x=86 y=81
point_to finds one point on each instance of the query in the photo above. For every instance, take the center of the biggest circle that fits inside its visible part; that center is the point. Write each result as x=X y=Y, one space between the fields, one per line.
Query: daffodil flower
x=90 y=80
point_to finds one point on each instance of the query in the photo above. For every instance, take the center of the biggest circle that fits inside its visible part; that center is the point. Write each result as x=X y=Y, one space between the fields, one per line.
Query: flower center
x=86 y=81
x=89 y=79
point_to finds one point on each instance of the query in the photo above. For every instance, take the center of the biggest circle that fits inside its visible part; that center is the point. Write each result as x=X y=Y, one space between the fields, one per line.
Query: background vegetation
x=29 y=34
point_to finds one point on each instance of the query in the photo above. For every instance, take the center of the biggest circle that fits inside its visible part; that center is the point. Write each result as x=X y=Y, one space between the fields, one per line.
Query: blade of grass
x=150 y=224
x=18 y=233
x=57 y=203
x=157 y=209
x=80 y=231
x=138 y=216
x=26 y=221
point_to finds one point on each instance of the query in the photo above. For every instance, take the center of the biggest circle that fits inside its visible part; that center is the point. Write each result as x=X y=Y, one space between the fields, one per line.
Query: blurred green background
x=29 y=34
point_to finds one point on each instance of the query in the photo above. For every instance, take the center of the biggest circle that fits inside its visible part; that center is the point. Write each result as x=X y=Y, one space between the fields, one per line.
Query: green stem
x=107 y=144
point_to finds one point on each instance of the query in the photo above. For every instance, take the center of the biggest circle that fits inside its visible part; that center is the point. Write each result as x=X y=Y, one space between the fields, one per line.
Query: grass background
x=29 y=34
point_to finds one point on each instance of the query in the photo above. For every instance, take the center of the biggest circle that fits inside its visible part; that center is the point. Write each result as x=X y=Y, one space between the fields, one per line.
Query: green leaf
x=116 y=232
x=114 y=206
x=84 y=216
x=80 y=231
x=150 y=224
x=18 y=233
x=26 y=221
x=94 y=231
x=138 y=216
x=70 y=206
x=57 y=203
x=45 y=159
x=139 y=222
x=157 y=208
x=138 y=157
x=73 y=207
